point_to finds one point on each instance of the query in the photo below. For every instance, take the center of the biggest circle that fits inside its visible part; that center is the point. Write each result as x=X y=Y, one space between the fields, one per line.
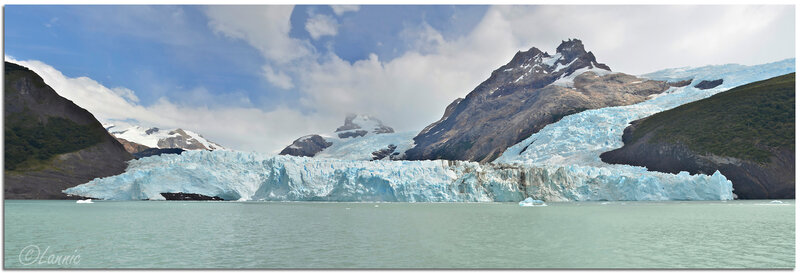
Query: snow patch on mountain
x=159 y=138
x=361 y=148
x=359 y=137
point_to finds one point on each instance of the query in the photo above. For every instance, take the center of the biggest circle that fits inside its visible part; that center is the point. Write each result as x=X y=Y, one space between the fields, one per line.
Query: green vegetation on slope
x=28 y=140
x=746 y=122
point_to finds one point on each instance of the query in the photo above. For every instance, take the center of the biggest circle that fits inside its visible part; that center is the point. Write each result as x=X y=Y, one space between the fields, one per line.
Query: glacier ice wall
x=252 y=176
x=578 y=140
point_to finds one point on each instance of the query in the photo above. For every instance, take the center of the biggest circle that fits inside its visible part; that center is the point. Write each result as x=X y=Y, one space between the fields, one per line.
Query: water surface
x=172 y=234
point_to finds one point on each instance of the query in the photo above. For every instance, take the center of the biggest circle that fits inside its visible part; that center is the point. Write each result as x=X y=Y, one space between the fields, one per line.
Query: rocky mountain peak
x=533 y=90
x=356 y=125
x=571 y=49
x=153 y=137
x=536 y=69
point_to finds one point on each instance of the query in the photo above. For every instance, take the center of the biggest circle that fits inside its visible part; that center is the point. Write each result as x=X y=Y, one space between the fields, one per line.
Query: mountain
x=51 y=144
x=747 y=133
x=362 y=137
x=533 y=90
x=560 y=162
x=137 y=139
x=360 y=125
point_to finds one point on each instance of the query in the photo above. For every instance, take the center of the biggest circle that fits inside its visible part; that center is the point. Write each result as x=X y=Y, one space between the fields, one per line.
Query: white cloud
x=266 y=28
x=423 y=39
x=341 y=9
x=319 y=25
x=641 y=39
x=125 y=93
x=278 y=79
x=51 y=22
x=412 y=90
x=243 y=128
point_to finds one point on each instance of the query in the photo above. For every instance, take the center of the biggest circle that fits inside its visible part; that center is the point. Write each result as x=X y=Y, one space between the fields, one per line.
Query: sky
x=254 y=78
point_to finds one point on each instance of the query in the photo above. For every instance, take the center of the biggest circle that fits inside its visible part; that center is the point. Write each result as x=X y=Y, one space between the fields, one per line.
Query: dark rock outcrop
x=71 y=148
x=180 y=196
x=518 y=100
x=747 y=133
x=132 y=147
x=179 y=139
x=680 y=83
x=383 y=153
x=157 y=151
x=708 y=84
x=306 y=146
x=352 y=133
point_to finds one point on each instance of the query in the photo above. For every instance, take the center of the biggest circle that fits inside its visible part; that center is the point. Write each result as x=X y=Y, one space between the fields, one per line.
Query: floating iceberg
x=530 y=202
x=87 y=201
x=252 y=176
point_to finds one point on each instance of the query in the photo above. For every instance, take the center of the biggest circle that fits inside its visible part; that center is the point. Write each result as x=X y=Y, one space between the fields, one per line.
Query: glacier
x=361 y=148
x=559 y=163
x=246 y=176
x=578 y=140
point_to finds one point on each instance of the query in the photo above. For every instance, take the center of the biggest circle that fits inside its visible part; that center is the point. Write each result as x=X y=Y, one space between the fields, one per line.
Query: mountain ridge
x=747 y=133
x=518 y=99
x=137 y=139
x=51 y=144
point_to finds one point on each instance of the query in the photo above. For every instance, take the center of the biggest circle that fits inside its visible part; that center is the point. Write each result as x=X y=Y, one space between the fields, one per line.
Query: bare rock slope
x=523 y=96
x=51 y=144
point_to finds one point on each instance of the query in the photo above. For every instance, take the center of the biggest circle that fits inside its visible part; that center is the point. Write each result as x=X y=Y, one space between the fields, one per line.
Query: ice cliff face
x=251 y=176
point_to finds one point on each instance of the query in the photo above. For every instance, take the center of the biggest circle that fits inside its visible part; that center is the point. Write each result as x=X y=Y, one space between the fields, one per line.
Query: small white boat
x=776 y=202
x=87 y=201
x=530 y=202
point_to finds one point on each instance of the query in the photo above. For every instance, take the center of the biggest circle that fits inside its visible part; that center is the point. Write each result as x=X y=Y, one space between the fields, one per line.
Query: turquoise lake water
x=173 y=234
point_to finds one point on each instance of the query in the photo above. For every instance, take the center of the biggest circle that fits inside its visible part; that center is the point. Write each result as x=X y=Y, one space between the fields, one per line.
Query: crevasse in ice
x=561 y=163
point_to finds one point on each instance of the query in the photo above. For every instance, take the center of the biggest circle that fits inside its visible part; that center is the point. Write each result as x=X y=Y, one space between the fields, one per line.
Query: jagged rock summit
x=534 y=89
x=536 y=69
